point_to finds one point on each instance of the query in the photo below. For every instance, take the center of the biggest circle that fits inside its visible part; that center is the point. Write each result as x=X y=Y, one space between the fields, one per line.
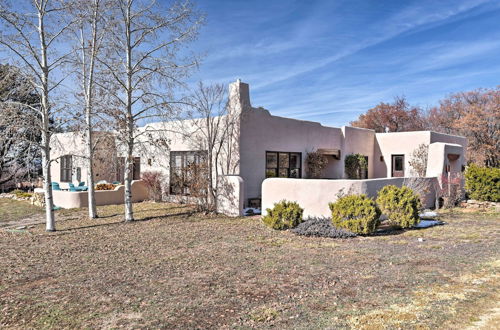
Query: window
x=79 y=174
x=187 y=168
x=120 y=168
x=283 y=164
x=66 y=168
x=364 y=170
x=136 y=169
x=398 y=165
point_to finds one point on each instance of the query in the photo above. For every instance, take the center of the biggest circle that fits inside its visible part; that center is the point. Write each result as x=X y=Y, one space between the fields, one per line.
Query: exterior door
x=398 y=166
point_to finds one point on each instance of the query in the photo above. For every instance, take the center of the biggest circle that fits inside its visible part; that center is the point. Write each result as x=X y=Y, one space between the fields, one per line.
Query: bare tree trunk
x=49 y=201
x=211 y=192
x=90 y=171
x=88 y=87
x=129 y=163
x=47 y=183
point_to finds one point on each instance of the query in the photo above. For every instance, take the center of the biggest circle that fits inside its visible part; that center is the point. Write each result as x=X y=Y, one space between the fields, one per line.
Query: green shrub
x=356 y=213
x=401 y=205
x=284 y=215
x=483 y=183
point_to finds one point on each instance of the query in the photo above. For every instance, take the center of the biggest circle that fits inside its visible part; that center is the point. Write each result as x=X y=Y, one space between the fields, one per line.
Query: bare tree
x=210 y=127
x=90 y=30
x=31 y=32
x=418 y=160
x=145 y=67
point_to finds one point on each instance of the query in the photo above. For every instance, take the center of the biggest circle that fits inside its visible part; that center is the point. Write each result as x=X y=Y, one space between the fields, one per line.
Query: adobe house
x=263 y=146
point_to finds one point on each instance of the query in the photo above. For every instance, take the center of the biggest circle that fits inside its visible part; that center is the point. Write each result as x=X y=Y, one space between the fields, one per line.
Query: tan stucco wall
x=69 y=199
x=73 y=143
x=438 y=158
x=313 y=195
x=261 y=132
x=397 y=143
x=359 y=141
x=404 y=143
x=231 y=200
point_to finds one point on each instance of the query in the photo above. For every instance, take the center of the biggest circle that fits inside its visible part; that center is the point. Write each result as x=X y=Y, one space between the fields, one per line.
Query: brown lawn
x=175 y=269
x=12 y=210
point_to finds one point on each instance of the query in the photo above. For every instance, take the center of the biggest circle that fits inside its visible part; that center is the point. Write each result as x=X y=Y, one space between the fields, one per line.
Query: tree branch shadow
x=121 y=222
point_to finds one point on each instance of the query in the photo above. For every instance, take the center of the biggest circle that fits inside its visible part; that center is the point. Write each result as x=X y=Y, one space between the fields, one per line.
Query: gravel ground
x=175 y=269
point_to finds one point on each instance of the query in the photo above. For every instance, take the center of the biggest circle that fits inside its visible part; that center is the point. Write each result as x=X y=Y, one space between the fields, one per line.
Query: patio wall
x=314 y=194
x=69 y=199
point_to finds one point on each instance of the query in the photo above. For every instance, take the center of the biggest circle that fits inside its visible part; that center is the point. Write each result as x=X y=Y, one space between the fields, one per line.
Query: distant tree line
x=474 y=114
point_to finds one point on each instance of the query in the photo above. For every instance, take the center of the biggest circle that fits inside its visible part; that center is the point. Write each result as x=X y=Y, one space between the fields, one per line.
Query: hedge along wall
x=483 y=183
x=315 y=195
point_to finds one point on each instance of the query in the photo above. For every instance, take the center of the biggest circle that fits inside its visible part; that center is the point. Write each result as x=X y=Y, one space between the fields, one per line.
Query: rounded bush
x=283 y=215
x=356 y=213
x=400 y=205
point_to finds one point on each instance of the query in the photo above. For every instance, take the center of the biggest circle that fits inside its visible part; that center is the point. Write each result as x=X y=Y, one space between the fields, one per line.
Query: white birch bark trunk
x=88 y=86
x=90 y=172
x=46 y=162
x=47 y=183
x=129 y=162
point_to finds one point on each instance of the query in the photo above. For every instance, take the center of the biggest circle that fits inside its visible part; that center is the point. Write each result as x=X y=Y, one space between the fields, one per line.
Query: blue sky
x=331 y=60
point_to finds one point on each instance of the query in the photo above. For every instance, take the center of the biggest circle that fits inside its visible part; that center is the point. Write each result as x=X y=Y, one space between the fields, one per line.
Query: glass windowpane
x=178 y=160
x=271 y=160
x=398 y=166
x=294 y=160
x=271 y=173
x=283 y=160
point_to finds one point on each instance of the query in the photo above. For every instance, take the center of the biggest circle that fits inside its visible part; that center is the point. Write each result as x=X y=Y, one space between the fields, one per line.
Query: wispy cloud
x=331 y=60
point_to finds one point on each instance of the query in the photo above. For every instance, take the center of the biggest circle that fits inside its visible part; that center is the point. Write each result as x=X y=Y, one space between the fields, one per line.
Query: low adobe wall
x=230 y=200
x=313 y=195
x=71 y=199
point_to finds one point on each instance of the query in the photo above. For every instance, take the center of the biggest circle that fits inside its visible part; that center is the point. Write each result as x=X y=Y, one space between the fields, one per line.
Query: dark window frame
x=199 y=157
x=278 y=168
x=136 y=169
x=120 y=168
x=66 y=168
x=393 y=164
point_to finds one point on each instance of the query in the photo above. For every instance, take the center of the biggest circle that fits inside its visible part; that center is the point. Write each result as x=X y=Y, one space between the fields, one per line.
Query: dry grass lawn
x=175 y=269
x=12 y=210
